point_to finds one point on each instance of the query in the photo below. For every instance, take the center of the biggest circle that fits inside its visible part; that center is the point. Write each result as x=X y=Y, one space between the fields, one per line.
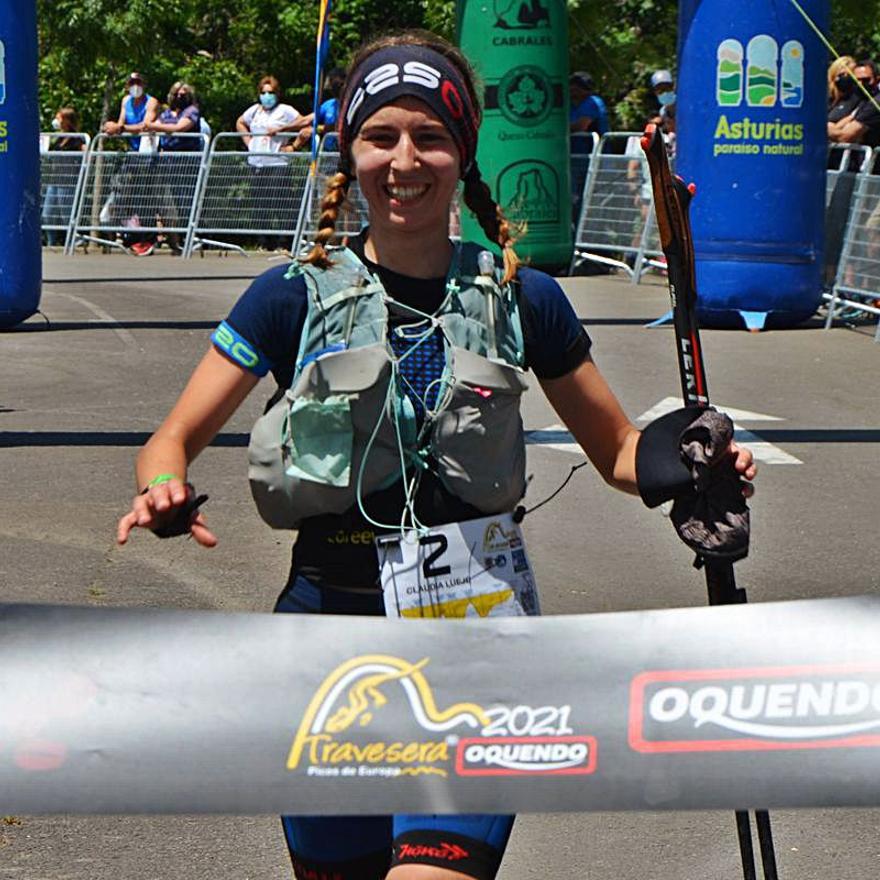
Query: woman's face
x=407 y=166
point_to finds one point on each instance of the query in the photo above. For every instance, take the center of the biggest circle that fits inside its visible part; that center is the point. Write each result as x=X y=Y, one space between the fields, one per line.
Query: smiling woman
x=400 y=360
x=407 y=166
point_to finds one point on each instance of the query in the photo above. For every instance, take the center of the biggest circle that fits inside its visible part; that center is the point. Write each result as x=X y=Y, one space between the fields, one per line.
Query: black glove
x=182 y=518
x=683 y=456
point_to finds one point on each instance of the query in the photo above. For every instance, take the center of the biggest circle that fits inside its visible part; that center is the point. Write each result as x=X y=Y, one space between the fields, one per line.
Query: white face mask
x=136 y=91
x=56 y=124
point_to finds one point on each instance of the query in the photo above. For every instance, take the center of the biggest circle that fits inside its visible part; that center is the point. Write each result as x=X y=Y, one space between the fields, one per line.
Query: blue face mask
x=666 y=98
x=268 y=100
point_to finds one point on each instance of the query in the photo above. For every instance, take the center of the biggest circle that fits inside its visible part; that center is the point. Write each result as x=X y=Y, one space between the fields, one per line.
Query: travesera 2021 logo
x=334 y=738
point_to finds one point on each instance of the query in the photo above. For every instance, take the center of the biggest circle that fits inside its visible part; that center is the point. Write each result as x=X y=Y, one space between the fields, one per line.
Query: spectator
x=328 y=112
x=587 y=116
x=261 y=124
x=58 y=200
x=663 y=88
x=177 y=125
x=637 y=172
x=180 y=117
x=135 y=112
x=588 y=112
x=128 y=198
x=862 y=124
x=843 y=96
x=667 y=121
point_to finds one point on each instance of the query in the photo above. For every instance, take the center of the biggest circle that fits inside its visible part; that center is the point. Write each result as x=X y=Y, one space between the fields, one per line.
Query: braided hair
x=477 y=195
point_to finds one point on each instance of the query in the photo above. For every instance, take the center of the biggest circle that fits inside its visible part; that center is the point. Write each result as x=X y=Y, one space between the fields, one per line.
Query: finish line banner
x=146 y=710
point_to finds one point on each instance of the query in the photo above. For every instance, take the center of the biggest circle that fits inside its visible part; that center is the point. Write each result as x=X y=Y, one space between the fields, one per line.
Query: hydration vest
x=345 y=428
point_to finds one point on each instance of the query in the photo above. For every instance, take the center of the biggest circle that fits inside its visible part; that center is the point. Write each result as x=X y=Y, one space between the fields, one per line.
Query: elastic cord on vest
x=521 y=512
x=409 y=519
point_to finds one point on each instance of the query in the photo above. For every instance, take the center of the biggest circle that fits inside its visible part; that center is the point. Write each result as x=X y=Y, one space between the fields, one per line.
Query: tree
x=223 y=47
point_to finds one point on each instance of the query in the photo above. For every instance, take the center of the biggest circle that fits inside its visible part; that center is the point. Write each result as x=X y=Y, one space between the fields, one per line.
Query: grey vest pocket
x=478 y=440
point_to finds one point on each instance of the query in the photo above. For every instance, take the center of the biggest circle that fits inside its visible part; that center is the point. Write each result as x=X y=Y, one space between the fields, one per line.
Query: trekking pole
x=672 y=198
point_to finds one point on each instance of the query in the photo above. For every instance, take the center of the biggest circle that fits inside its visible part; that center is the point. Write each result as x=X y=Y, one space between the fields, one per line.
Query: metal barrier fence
x=845 y=163
x=249 y=192
x=62 y=163
x=617 y=202
x=352 y=214
x=128 y=193
x=856 y=290
x=583 y=146
x=102 y=194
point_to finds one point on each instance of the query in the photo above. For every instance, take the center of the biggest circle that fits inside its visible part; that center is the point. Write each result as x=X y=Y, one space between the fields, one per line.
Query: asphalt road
x=80 y=394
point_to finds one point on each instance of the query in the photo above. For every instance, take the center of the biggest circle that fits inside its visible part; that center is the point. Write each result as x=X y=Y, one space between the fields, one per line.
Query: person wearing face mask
x=663 y=89
x=58 y=198
x=261 y=124
x=181 y=116
x=843 y=93
x=177 y=124
x=843 y=96
x=861 y=124
x=137 y=110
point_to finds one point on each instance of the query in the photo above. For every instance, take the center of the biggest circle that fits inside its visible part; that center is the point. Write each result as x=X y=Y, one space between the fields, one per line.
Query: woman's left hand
x=744 y=464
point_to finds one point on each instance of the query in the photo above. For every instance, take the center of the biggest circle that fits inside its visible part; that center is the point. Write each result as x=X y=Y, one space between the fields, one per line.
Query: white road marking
x=557 y=436
x=118 y=329
x=765 y=452
x=668 y=404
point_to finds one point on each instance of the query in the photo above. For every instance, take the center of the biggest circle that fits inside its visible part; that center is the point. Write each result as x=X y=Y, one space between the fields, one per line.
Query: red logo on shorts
x=449 y=852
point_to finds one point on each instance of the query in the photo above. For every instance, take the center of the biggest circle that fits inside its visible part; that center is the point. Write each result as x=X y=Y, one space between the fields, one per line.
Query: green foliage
x=855 y=28
x=223 y=47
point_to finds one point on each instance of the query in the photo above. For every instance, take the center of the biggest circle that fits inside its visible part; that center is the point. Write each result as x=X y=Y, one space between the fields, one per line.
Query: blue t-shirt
x=135 y=115
x=328 y=112
x=593 y=107
x=328 y=116
x=262 y=332
x=174 y=143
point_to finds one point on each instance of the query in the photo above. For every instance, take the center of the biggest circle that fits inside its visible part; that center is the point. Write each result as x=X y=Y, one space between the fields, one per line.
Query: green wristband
x=159 y=480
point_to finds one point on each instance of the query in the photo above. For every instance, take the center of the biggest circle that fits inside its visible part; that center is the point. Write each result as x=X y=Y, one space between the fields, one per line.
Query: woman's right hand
x=158 y=506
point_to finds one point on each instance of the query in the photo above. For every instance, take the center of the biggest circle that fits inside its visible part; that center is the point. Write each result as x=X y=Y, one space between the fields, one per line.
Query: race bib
x=477 y=568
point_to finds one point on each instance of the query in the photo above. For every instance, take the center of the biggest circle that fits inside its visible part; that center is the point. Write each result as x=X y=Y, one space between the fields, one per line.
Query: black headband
x=419 y=72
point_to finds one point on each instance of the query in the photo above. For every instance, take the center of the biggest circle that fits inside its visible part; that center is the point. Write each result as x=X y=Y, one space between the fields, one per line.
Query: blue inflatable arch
x=752 y=135
x=20 y=259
